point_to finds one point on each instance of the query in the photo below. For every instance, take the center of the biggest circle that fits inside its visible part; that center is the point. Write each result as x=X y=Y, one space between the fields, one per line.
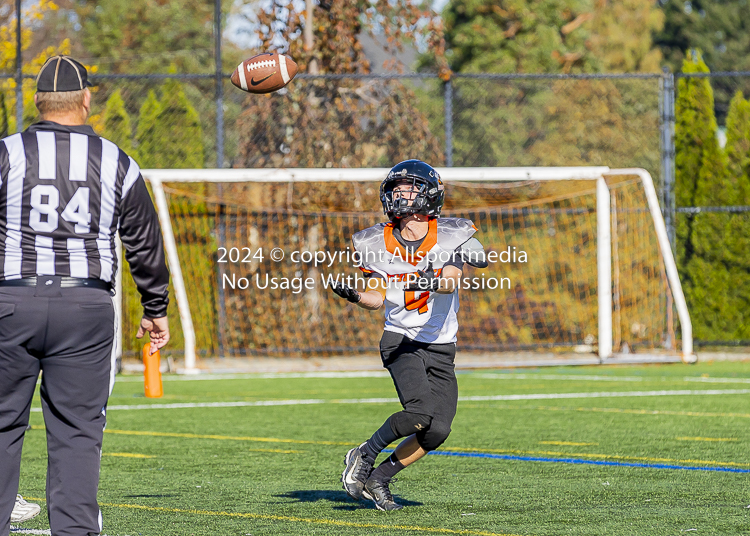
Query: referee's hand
x=158 y=329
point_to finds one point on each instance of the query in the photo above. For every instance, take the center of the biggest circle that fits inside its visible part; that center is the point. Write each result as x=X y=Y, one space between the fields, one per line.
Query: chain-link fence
x=618 y=120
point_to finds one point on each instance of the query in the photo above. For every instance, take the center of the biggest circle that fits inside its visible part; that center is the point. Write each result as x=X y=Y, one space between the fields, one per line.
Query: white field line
x=592 y=378
x=384 y=374
x=547 y=396
x=18 y=530
x=717 y=380
x=260 y=376
x=565 y=377
x=537 y=396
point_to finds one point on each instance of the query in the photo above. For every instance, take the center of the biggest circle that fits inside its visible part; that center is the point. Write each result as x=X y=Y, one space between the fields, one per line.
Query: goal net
x=580 y=260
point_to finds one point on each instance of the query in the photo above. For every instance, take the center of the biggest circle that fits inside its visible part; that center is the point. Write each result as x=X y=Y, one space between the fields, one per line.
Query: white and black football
x=264 y=73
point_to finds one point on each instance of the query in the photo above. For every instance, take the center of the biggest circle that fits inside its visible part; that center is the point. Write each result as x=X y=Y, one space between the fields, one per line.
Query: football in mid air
x=264 y=73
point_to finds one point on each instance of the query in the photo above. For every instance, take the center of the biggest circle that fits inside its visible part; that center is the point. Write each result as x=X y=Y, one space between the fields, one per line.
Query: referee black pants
x=68 y=334
x=425 y=380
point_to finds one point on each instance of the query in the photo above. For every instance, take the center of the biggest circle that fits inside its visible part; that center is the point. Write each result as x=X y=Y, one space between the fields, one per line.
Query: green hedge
x=713 y=248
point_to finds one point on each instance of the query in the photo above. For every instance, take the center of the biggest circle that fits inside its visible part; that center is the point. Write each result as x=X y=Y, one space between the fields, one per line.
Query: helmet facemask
x=404 y=197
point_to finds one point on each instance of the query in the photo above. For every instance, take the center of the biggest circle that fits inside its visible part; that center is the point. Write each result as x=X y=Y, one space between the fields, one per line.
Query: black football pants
x=425 y=380
x=68 y=334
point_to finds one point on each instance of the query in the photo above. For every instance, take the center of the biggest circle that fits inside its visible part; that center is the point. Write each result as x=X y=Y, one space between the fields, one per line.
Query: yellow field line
x=276 y=450
x=311 y=520
x=334 y=522
x=458 y=449
x=567 y=443
x=126 y=455
x=596 y=455
x=706 y=439
x=225 y=438
x=196 y=436
x=613 y=410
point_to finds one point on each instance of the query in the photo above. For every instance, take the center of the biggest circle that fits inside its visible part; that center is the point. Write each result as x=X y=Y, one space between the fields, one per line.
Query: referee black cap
x=62 y=73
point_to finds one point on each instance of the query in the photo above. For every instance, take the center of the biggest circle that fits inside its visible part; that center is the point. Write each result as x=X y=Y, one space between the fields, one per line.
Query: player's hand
x=158 y=329
x=346 y=292
x=426 y=280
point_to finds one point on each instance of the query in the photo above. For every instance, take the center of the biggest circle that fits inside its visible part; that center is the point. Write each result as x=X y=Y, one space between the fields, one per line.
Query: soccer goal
x=580 y=261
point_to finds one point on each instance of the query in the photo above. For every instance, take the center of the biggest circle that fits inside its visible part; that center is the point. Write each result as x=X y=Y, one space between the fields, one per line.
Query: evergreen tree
x=607 y=122
x=695 y=129
x=695 y=126
x=737 y=237
x=575 y=122
x=117 y=123
x=621 y=35
x=183 y=147
x=141 y=36
x=738 y=144
x=495 y=122
x=713 y=280
x=599 y=122
x=720 y=28
x=513 y=36
x=147 y=134
x=552 y=36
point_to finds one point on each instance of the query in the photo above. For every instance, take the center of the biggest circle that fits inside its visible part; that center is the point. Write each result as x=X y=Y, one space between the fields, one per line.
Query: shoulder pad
x=452 y=232
x=368 y=236
x=472 y=253
x=458 y=224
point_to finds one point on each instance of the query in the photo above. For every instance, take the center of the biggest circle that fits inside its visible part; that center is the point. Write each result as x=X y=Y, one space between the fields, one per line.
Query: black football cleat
x=380 y=493
x=356 y=473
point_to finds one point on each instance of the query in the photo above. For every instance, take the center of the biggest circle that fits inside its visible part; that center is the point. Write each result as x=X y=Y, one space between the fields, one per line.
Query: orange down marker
x=152 y=374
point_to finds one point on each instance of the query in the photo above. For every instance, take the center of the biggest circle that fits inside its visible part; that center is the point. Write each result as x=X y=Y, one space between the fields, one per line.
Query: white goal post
x=157 y=177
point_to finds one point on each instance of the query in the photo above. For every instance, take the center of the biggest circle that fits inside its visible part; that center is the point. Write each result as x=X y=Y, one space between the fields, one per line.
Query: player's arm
x=450 y=275
x=449 y=280
x=428 y=280
x=470 y=252
x=371 y=300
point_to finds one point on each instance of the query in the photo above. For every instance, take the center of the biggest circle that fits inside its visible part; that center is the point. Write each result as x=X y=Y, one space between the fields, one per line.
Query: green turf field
x=533 y=452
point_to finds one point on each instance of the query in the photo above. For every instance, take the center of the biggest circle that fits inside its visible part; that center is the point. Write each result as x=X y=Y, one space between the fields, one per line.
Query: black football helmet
x=430 y=192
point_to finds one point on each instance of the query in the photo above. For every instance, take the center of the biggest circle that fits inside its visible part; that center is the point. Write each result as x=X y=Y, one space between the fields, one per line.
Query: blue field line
x=577 y=461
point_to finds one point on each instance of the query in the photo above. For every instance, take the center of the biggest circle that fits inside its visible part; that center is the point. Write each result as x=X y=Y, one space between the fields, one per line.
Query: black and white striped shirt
x=64 y=193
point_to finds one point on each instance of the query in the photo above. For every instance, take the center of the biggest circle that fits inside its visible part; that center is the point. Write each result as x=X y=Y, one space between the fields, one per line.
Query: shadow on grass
x=344 y=502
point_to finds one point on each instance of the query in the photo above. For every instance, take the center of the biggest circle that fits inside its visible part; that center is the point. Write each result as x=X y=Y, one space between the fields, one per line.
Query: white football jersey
x=422 y=316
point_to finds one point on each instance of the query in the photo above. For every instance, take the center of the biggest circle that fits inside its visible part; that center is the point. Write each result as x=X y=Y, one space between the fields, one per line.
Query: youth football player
x=418 y=258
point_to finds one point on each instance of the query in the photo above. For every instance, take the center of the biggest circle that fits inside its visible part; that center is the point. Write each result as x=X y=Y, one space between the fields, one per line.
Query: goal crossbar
x=157 y=177
x=464 y=174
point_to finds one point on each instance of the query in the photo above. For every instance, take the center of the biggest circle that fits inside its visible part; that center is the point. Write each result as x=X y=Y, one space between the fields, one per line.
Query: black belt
x=65 y=282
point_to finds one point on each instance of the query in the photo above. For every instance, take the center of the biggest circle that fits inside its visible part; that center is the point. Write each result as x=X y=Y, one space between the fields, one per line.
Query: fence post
x=19 y=71
x=666 y=127
x=448 y=99
x=219 y=87
x=220 y=164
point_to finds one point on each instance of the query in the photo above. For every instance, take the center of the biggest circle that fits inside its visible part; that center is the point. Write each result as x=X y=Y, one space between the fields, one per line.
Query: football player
x=418 y=259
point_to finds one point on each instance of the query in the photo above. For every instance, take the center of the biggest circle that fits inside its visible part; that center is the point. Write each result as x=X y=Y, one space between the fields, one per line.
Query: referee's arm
x=144 y=250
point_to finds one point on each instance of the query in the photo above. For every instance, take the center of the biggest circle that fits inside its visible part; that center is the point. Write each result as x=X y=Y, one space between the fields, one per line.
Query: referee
x=64 y=193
